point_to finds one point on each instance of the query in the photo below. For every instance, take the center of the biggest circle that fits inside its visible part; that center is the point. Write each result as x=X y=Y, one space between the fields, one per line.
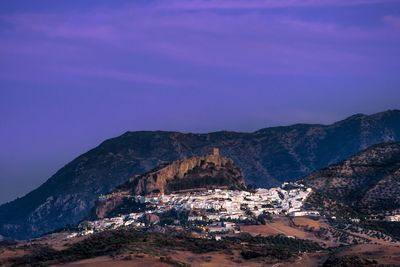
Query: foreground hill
x=281 y=242
x=152 y=247
x=267 y=157
x=367 y=183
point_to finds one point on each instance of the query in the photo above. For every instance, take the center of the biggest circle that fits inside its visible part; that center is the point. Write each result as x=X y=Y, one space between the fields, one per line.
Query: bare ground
x=382 y=253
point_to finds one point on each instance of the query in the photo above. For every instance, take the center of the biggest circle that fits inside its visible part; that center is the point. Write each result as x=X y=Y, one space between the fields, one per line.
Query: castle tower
x=215 y=151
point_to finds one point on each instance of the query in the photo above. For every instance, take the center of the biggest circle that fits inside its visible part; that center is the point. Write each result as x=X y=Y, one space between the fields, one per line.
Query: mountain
x=266 y=157
x=367 y=183
x=195 y=173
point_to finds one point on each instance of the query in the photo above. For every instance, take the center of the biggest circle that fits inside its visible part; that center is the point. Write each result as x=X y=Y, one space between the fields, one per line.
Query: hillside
x=367 y=183
x=195 y=173
x=267 y=157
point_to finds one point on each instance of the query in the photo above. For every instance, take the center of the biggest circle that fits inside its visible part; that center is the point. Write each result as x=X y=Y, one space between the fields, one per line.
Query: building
x=304 y=213
x=393 y=218
x=215 y=151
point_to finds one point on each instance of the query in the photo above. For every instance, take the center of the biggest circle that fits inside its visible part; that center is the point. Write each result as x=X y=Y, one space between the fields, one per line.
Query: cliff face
x=190 y=173
x=195 y=173
x=267 y=157
x=367 y=183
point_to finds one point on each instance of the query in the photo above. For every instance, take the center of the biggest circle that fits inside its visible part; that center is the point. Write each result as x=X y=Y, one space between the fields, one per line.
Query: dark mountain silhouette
x=266 y=157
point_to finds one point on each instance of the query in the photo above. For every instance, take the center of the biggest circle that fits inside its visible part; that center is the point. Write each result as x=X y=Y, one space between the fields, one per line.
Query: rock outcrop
x=195 y=173
x=191 y=173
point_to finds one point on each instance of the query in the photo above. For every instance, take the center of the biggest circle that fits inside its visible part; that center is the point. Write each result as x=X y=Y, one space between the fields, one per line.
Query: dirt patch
x=10 y=253
x=107 y=261
x=302 y=228
x=279 y=226
x=218 y=259
x=307 y=222
x=383 y=254
x=307 y=259
x=214 y=259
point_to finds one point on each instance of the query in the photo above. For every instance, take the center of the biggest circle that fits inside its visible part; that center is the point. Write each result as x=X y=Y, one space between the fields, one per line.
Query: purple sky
x=72 y=75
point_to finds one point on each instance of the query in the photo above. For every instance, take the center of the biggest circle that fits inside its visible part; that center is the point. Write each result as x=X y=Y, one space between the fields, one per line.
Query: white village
x=220 y=210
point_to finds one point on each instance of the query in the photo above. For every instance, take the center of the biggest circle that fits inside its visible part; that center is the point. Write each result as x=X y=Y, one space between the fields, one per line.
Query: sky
x=74 y=73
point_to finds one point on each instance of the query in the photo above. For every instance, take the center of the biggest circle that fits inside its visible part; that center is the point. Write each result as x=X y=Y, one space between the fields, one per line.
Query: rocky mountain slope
x=195 y=173
x=267 y=157
x=367 y=183
x=192 y=173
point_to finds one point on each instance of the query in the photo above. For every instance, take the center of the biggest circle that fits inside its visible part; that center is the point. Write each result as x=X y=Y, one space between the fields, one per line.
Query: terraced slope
x=368 y=183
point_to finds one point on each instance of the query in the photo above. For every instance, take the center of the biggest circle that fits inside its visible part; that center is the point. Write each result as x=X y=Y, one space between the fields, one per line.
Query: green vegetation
x=360 y=186
x=128 y=205
x=169 y=217
x=202 y=182
x=348 y=261
x=113 y=243
x=388 y=228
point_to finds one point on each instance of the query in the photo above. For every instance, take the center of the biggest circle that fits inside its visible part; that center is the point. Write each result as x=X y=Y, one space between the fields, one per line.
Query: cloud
x=128 y=76
x=266 y=4
x=154 y=35
x=393 y=21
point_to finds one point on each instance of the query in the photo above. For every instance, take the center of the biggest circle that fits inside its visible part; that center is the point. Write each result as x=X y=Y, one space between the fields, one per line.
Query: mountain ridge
x=368 y=183
x=267 y=157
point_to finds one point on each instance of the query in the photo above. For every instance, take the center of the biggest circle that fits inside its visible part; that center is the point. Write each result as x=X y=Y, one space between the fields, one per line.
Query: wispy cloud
x=188 y=65
x=393 y=21
x=266 y=4
x=249 y=42
x=121 y=75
